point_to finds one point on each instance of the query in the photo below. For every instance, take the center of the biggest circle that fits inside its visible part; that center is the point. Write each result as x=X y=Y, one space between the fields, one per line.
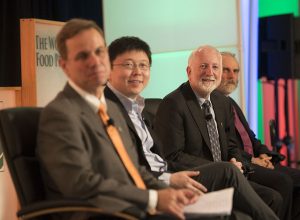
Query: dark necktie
x=118 y=144
x=243 y=133
x=212 y=132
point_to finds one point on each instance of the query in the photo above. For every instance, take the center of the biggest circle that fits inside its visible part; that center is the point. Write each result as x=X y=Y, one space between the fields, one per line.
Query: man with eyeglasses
x=285 y=180
x=131 y=60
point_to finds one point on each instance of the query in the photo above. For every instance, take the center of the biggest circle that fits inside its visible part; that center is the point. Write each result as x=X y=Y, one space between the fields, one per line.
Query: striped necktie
x=212 y=132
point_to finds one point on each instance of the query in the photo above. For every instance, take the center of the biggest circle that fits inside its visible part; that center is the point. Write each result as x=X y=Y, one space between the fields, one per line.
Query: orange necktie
x=118 y=144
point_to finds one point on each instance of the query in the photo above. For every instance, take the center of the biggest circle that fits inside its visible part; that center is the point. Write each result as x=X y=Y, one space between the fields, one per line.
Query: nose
x=210 y=71
x=136 y=70
x=231 y=74
x=93 y=59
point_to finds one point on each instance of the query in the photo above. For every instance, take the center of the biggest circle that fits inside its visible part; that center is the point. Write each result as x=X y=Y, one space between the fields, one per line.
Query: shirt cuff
x=165 y=177
x=152 y=203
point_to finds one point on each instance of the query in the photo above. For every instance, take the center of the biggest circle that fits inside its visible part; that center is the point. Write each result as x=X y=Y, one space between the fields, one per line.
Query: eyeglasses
x=132 y=65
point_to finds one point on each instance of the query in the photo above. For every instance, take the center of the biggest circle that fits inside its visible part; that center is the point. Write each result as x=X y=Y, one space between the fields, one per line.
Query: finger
x=233 y=160
x=270 y=165
x=267 y=158
x=195 y=190
x=192 y=173
x=239 y=164
x=194 y=199
x=198 y=186
x=182 y=197
x=178 y=212
x=192 y=196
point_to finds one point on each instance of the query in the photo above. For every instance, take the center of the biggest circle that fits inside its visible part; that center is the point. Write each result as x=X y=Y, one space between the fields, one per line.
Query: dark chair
x=18 y=130
x=276 y=143
x=151 y=106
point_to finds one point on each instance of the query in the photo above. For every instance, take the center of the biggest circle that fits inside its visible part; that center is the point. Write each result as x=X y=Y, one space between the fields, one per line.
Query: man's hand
x=183 y=180
x=263 y=160
x=237 y=164
x=172 y=201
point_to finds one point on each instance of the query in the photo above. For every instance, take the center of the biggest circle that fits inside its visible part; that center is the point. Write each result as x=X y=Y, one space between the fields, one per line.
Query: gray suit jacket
x=79 y=161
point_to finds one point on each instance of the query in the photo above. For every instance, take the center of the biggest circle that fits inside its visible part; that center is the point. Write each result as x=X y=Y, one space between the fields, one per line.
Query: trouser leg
x=217 y=176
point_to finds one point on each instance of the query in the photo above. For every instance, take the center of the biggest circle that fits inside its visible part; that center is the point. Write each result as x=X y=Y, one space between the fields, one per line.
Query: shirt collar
x=92 y=100
x=137 y=105
x=200 y=99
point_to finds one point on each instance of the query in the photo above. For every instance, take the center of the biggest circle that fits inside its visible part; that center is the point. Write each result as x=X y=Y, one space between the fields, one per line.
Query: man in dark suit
x=285 y=180
x=184 y=122
x=130 y=59
x=76 y=148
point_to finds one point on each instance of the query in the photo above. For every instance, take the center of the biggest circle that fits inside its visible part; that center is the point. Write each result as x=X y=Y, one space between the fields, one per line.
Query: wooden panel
x=9 y=97
x=27 y=31
x=41 y=75
x=9 y=203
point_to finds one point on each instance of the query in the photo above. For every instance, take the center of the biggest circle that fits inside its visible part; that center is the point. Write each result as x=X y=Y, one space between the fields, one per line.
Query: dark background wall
x=12 y=10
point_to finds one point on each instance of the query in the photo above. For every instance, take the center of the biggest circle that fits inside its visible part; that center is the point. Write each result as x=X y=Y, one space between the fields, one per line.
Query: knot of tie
x=103 y=114
x=206 y=107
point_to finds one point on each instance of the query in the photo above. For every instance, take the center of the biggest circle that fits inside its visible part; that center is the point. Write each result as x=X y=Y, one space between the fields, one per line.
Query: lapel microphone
x=110 y=121
x=207 y=114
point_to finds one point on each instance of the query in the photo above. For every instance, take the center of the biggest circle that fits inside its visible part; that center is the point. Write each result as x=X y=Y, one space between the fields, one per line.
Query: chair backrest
x=275 y=141
x=18 y=130
x=151 y=105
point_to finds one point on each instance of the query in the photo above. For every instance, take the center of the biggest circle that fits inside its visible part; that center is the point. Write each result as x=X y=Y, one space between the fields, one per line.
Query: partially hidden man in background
x=285 y=180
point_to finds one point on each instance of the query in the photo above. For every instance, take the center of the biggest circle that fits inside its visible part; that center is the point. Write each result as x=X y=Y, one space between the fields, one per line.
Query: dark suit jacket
x=181 y=126
x=258 y=147
x=147 y=117
x=79 y=161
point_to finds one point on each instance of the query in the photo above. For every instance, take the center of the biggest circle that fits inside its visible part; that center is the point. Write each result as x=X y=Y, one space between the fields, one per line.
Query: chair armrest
x=45 y=208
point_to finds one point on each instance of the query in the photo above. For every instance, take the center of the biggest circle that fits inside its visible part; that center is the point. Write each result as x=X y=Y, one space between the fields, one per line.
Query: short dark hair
x=126 y=44
x=70 y=29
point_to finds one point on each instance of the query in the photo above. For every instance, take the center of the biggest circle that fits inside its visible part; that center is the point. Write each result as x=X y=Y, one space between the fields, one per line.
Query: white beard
x=227 y=87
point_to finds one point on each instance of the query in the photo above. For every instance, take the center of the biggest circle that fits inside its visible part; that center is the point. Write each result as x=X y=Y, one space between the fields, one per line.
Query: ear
x=63 y=65
x=188 y=71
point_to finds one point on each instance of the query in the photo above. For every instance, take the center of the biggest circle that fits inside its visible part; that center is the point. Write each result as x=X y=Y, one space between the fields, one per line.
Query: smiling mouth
x=208 y=80
x=135 y=81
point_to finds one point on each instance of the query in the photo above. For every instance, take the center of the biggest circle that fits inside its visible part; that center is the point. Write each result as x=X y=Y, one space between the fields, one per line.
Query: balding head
x=204 y=70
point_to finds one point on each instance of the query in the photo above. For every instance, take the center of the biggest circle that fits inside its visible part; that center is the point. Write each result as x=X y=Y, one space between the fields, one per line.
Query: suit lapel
x=110 y=95
x=196 y=111
x=86 y=112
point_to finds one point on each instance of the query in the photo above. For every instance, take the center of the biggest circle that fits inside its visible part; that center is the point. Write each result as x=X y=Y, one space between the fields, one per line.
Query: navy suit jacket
x=181 y=126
